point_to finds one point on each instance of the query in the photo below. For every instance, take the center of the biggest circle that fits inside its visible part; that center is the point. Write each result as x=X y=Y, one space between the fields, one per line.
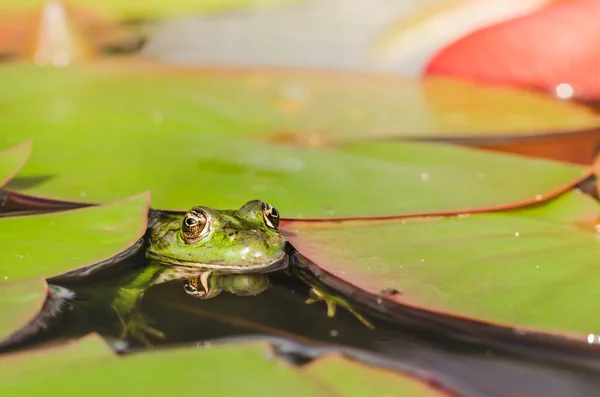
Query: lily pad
x=247 y=369
x=150 y=8
x=350 y=378
x=19 y=303
x=308 y=107
x=50 y=244
x=11 y=161
x=211 y=128
x=535 y=268
x=312 y=183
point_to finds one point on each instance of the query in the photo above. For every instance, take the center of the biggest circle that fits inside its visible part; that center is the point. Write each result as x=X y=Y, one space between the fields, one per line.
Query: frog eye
x=195 y=226
x=270 y=215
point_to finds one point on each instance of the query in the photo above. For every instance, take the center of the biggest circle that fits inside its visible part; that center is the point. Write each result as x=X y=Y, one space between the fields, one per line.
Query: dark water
x=467 y=358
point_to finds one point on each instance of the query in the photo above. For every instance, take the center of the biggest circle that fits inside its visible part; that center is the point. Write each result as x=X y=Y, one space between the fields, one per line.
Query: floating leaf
x=11 y=161
x=19 y=303
x=310 y=108
x=350 y=378
x=247 y=369
x=228 y=171
x=149 y=8
x=217 y=130
x=50 y=244
x=533 y=268
x=511 y=53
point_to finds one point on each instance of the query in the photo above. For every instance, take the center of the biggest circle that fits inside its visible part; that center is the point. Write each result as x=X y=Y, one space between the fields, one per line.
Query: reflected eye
x=195 y=226
x=270 y=215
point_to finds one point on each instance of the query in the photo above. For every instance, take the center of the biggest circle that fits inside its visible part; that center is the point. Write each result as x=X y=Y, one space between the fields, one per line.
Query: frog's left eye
x=195 y=226
x=270 y=215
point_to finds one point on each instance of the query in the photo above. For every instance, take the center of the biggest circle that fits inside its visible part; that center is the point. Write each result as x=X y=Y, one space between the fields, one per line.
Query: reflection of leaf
x=50 y=244
x=511 y=53
x=11 y=161
x=534 y=268
x=19 y=303
x=202 y=137
x=349 y=378
x=247 y=369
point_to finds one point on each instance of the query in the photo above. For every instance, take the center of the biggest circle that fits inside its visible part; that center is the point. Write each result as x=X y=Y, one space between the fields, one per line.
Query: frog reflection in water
x=214 y=251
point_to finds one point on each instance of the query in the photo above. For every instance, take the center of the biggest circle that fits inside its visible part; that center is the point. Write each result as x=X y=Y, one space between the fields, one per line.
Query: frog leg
x=126 y=305
x=317 y=295
x=137 y=325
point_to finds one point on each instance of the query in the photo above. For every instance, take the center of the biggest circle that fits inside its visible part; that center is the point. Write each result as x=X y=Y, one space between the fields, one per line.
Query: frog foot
x=138 y=325
x=317 y=295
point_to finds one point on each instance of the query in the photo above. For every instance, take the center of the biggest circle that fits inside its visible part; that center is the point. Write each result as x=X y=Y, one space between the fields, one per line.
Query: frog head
x=230 y=241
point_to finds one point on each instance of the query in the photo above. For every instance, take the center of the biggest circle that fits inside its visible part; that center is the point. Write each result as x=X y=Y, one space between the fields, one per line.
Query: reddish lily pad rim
x=595 y=168
x=460 y=327
x=25 y=147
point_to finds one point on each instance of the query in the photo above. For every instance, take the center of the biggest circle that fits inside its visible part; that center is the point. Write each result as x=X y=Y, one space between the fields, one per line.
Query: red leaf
x=555 y=45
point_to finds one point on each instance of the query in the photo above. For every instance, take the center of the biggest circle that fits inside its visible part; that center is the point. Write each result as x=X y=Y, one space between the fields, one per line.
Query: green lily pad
x=19 y=303
x=309 y=107
x=207 y=137
x=247 y=369
x=225 y=172
x=11 y=161
x=350 y=378
x=51 y=244
x=149 y=8
x=535 y=268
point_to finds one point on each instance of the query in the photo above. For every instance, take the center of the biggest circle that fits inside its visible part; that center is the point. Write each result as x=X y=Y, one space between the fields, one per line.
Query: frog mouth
x=243 y=267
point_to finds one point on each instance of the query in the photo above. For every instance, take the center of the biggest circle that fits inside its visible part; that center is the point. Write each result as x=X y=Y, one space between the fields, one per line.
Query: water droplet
x=564 y=91
x=379 y=301
x=590 y=338
x=516 y=234
x=538 y=197
x=424 y=176
x=158 y=118
x=334 y=333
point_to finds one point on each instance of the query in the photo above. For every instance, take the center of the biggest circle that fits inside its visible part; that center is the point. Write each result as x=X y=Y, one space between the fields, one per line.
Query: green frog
x=212 y=251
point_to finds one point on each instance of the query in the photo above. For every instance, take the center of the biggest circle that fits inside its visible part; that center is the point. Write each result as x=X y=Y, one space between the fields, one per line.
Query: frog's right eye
x=195 y=226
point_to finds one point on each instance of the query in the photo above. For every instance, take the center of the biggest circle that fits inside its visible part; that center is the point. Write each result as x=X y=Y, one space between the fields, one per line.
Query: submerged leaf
x=50 y=244
x=11 y=161
x=534 y=268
